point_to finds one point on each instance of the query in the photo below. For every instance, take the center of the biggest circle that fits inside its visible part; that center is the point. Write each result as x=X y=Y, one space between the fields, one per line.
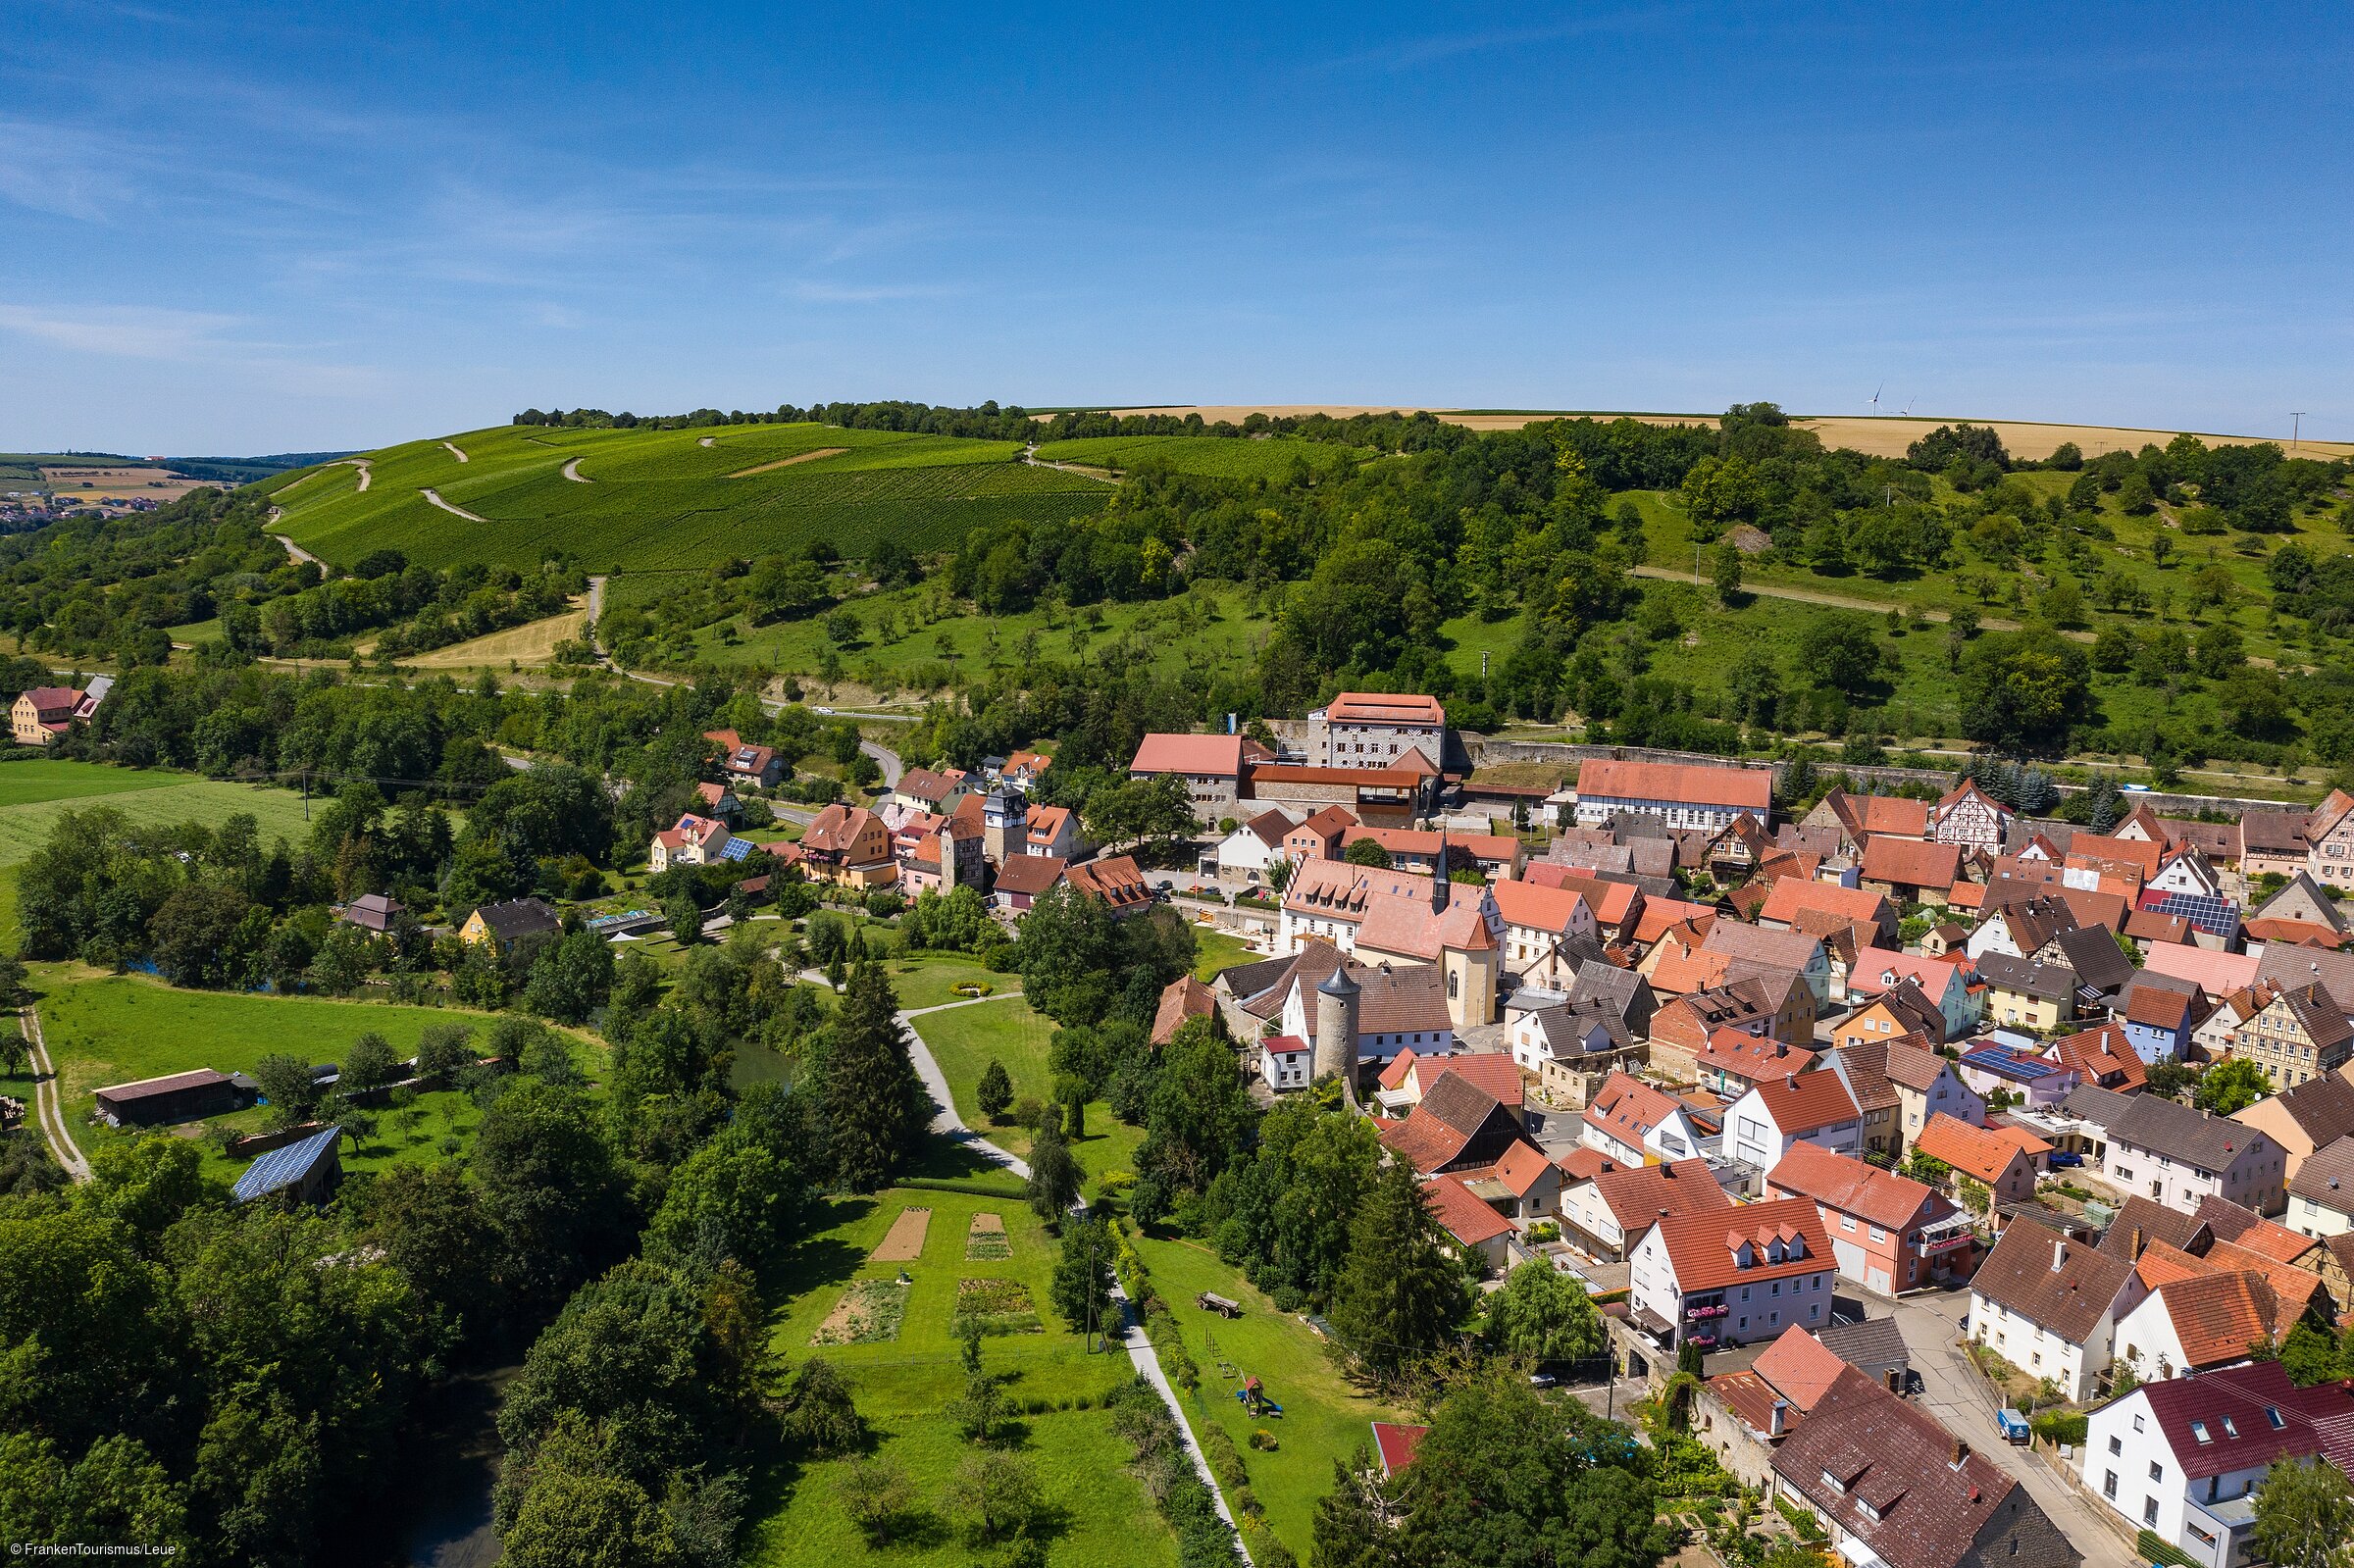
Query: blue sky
x=229 y=228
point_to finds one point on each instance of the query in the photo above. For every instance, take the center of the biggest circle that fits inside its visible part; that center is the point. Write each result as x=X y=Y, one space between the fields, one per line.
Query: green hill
x=641 y=499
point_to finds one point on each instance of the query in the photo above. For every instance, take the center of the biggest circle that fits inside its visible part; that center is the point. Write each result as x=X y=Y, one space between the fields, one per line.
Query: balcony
x=1706 y=1310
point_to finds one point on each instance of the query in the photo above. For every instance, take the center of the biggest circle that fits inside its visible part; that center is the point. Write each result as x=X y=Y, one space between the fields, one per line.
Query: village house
x=1762 y=1125
x=1478 y=1231
x=2320 y=1195
x=1024 y=769
x=373 y=913
x=1791 y=897
x=934 y=789
x=1608 y=1209
x=1978 y=1155
x=1458 y=1125
x=2050 y=1306
x=2300 y=1034
x=1244 y=857
x=2017 y=1075
x=2303 y=1119
x=1732 y=1277
x=1632 y=1122
x=1675 y=795
x=2100 y=1055
x=1681 y=1027
x=2027 y=994
x=1022 y=880
x=1888 y=1234
x=1944 y=984
x=1895 y=1489
x=1851 y=819
x=1926 y=1084
x=744 y=763
x=1374 y=729
x=1895 y=1013
x=719 y=801
x=1791 y=950
x=2197 y=1322
x=1116 y=881
x=2182 y=1459
x=1318 y=836
x=1383 y=797
x=41 y=714
x=1970 y=816
x=1735 y=1062
x=1912 y=870
x=503 y=925
x=1548 y=931
x=2330 y=841
x=1055 y=831
x=692 y=840
x=850 y=847
x=1522 y=1187
x=2180 y=1156
x=1211 y=766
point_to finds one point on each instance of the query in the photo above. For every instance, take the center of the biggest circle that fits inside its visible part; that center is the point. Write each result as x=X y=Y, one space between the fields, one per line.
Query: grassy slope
x=117 y=1028
x=661 y=499
x=1324 y=1418
x=904 y=1386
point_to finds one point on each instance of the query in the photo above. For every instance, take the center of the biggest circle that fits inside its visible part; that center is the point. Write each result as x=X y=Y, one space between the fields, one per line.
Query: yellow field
x=534 y=642
x=116 y=482
x=1881 y=435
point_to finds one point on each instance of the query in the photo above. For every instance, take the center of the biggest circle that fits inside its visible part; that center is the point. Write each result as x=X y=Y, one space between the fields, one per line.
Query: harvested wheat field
x=1875 y=435
x=533 y=642
x=905 y=1243
x=986 y=1239
x=868 y=1313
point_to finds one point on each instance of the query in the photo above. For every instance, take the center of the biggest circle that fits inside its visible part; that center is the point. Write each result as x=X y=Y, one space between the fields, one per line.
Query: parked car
x=2063 y=1159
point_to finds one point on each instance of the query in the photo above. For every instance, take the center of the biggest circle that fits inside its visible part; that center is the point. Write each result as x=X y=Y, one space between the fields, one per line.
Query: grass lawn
x=1324 y=1418
x=1219 y=949
x=903 y=1384
x=115 y=1028
x=964 y=1040
x=35 y=793
x=932 y=978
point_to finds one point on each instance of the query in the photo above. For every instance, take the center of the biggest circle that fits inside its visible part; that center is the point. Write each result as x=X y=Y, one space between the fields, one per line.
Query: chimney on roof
x=2059 y=1253
x=1961 y=1452
x=2136 y=1253
x=1780 y=1416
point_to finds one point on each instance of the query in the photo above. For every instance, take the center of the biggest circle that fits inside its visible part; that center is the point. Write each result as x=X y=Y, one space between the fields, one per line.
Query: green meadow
x=904 y=1382
x=36 y=791
x=964 y=1040
x=1226 y=458
x=650 y=498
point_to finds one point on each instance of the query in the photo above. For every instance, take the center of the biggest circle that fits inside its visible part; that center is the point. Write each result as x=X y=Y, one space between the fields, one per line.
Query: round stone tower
x=1336 y=1028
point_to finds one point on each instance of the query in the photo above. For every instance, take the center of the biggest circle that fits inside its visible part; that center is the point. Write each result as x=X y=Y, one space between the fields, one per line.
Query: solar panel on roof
x=735 y=849
x=2005 y=1062
x=283 y=1167
x=2207 y=912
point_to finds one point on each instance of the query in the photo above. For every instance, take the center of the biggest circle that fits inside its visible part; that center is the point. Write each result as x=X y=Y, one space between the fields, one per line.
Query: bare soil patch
x=905 y=1241
x=986 y=1240
x=868 y=1313
x=787 y=462
x=533 y=642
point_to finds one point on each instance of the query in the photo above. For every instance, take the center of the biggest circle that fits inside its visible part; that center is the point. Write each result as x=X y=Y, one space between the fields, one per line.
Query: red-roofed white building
x=1631 y=1122
x=1889 y=1234
x=1676 y=794
x=1762 y=1125
x=1538 y=922
x=1477 y=1229
x=1375 y=729
x=1734 y=1276
x=691 y=841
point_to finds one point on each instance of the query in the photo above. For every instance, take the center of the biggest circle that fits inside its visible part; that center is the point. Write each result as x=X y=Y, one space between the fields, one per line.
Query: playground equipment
x=1254 y=1397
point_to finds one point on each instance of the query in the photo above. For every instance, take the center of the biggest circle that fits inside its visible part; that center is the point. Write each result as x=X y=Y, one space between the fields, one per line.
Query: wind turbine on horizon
x=1875 y=395
x=1909 y=402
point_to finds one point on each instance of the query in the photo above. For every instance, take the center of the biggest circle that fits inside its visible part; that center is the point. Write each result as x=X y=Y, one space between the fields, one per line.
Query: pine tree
x=996 y=1091
x=874 y=1103
x=1402 y=1291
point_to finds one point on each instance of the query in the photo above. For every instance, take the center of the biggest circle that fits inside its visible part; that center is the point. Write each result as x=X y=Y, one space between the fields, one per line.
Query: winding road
x=454 y=452
x=572 y=472
x=47 y=1108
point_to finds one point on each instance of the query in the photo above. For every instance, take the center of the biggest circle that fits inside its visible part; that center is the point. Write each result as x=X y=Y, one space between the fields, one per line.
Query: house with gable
x=1897 y=1012
x=1548 y=932
x=744 y=763
x=2180 y=1157
x=1242 y=857
x=1763 y=1123
x=1792 y=951
x=1211 y=766
x=1672 y=793
x=691 y=842
x=2199 y=1322
x=1970 y=816
x=1731 y=1277
x=2050 y=1306
x=2298 y=1035
x=1943 y=983
x=1895 y=1489
x=1457 y=1125
x=1912 y=870
x=1608 y=1209
x=1977 y=1153
x=1631 y=1122
x=1888 y=1232
x=1926 y=1084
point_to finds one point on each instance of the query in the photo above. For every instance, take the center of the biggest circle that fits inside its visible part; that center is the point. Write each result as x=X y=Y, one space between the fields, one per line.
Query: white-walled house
x=1734 y=1276
x=2182 y=1459
x=1797 y=1109
x=2049 y=1305
x=1630 y=1121
x=1242 y=857
x=2199 y=1323
x=2178 y=1156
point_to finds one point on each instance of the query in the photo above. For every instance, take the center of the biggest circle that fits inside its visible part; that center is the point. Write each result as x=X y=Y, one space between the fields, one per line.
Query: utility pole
x=2296 y=427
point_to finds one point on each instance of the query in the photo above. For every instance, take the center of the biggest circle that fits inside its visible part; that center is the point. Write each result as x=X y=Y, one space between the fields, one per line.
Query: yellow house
x=2027 y=994
x=503 y=925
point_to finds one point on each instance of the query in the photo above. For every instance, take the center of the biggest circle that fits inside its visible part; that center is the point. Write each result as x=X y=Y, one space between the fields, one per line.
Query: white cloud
x=127 y=331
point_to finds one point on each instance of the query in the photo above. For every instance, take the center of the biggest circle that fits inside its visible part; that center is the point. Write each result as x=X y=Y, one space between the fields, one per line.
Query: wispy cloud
x=822 y=293
x=127 y=332
x=58 y=170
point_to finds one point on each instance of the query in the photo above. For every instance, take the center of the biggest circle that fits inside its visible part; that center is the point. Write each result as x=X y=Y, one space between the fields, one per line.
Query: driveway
x=1953 y=1391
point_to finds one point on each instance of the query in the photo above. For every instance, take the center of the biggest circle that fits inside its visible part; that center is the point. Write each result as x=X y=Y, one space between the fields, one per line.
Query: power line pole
x=2296 y=427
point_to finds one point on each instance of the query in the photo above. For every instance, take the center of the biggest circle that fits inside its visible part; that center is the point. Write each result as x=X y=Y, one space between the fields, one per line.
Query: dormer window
x=1833 y=1482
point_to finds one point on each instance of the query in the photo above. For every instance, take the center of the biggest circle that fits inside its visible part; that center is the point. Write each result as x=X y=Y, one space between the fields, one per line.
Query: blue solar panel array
x=2219 y=916
x=283 y=1167
x=735 y=849
x=2008 y=1065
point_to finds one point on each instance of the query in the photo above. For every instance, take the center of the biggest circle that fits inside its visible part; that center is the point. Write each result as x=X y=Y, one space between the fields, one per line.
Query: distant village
x=1776 y=1089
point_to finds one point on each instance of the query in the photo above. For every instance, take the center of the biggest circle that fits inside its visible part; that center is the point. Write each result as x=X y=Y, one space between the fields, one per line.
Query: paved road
x=1955 y=1393
x=47 y=1108
x=885 y=758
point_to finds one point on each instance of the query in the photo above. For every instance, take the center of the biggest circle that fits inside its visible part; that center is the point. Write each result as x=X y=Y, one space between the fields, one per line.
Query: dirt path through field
x=705 y=440
x=905 y=1243
x=47 y=1108
x=572 y=472
x=434 y=497
x=787 y=462
x=294 y=552
x=454 y=452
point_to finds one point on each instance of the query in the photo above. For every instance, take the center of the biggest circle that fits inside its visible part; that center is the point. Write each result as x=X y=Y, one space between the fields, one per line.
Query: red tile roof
x=1752 y=1398
x=1835 y=1182
x=1466 y=1219
x=1791 y=894
x=1751 y=1057
x=1912 y=862
x=1396 y=1444
x=1542 y=908
x=1493 y=1071
x=1206 y=755
x=1381 y=707
x=1799 y=1365
x=1640 y=1193
x=1184 y=999
x=2219 y=1316
x=1628 y=1109
x=1750 y=788
x=1804 y=1102
x=1583 y=1164
x=1611 y=901
x=1972 y=1151
x=1705 y=1247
